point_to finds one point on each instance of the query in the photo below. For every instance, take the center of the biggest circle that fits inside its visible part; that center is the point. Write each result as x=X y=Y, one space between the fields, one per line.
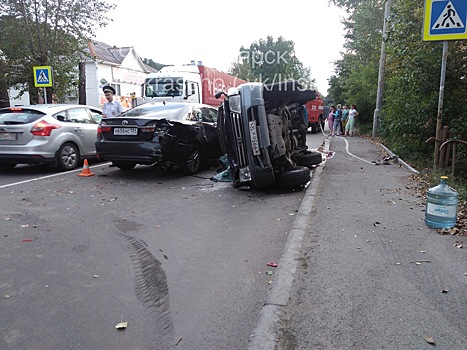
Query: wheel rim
x=193 y=161
x=69 y=156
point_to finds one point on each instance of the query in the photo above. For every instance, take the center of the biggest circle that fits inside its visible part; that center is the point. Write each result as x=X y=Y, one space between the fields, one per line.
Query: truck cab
x=315 y=109
x=187 y=83
x=171 y=85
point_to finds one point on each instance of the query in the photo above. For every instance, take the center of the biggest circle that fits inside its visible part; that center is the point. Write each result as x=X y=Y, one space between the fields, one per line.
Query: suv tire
x=294 y=178
x=309 y=158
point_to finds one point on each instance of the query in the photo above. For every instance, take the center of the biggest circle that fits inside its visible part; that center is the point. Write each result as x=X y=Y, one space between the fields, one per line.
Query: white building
x=16 y=99
x=119 y=67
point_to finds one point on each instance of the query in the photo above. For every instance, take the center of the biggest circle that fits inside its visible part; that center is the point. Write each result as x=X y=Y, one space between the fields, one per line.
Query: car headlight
x=245 y=174
x=234 y=103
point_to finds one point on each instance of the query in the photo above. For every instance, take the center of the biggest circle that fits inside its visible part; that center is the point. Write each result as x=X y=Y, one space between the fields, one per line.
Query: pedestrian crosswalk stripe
x=448 y=19
x=42 y=78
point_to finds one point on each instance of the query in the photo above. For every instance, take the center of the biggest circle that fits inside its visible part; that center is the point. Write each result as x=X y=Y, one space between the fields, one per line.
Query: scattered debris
x=27 y=240
x=121 y=325
x=376 y=224
x=419 y=262
x=430 y=340
x=178 y=341
x=7 y=296
x=96 y=276
x=444 y=291
x=272 y=264
x=269 y=273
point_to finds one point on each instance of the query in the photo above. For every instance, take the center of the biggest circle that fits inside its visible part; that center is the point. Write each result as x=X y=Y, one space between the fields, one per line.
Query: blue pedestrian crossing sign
x=445 y=20
x=42 y=76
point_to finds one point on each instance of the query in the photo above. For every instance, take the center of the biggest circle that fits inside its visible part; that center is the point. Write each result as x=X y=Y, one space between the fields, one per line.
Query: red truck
x=187 y=83
x=315 y=114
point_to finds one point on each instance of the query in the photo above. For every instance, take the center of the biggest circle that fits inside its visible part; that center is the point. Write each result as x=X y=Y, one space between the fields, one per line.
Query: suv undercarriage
x=262 y=129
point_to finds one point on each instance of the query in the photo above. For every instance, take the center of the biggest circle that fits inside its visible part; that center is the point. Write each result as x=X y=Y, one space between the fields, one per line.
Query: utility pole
x=382 y=66
x=82 y=84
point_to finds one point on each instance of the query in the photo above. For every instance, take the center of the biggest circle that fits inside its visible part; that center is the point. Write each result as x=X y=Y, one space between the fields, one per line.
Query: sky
x=177 y=32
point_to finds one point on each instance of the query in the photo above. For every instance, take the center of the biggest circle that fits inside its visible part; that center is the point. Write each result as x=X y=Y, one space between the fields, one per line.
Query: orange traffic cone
x=85 y=171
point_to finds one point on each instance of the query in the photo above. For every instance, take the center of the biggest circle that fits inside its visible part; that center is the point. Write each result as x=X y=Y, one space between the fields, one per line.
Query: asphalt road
x=181 y=259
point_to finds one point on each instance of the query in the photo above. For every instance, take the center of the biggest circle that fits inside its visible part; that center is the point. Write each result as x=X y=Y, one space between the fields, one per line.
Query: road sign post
x=43 y=78
x=443 y=20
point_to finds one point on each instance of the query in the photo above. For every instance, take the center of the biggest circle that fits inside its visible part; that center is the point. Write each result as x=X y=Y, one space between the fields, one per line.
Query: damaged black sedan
x=181 y=135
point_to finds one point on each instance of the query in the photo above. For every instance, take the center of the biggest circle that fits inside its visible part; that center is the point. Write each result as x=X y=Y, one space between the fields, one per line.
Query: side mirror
x=219 y=94
x=189 y=89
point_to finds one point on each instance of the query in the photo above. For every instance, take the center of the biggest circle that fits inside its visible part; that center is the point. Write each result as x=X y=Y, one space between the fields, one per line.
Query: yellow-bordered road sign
x=445 y=20
x=42 y=76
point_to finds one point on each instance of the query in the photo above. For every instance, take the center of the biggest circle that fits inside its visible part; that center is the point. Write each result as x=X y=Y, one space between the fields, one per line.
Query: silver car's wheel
x=68 y=156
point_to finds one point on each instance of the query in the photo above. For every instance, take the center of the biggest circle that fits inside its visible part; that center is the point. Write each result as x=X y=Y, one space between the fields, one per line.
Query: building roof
x=112 y=54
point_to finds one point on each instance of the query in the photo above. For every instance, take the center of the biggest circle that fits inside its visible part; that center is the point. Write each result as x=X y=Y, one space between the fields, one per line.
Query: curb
x=264 y=336
x=400 y=161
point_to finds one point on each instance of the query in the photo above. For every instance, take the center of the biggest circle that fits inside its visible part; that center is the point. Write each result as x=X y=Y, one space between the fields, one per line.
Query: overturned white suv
x=262 y=129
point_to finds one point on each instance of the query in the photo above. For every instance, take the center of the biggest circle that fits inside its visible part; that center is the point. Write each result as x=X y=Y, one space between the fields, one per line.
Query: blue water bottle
x=441 y=206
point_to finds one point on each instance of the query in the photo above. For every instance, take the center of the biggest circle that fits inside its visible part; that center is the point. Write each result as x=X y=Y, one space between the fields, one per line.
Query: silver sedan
x=59 y=135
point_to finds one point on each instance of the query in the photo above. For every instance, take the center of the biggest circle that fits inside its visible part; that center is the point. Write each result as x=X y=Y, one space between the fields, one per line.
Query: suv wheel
x=308 y=158
x=68 y=156
x=294 y=178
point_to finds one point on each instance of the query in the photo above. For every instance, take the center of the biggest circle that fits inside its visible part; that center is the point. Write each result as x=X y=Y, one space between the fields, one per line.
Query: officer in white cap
x=111 y=108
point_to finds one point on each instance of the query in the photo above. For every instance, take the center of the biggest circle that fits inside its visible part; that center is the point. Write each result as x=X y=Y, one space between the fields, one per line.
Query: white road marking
x=48 y=176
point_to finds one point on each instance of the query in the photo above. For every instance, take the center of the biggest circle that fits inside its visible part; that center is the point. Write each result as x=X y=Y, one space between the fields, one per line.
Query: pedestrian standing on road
x=345 y=117
x=336 y=128
x=349 y=128
x=330 y=118
x=111 y=108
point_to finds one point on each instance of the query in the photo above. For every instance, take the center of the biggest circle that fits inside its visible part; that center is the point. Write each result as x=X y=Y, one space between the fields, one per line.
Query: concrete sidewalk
x=361 y=270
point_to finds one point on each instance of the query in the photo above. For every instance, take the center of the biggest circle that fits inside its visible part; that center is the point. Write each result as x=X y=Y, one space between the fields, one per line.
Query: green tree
x=271 y=61
x=48 y=33
x=356 y=73
x=411 y=78
x=414 y=67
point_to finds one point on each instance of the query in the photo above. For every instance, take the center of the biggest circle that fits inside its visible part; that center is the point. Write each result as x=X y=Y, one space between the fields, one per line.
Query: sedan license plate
x=8 y=136
x=254 y=138
x=126 y=131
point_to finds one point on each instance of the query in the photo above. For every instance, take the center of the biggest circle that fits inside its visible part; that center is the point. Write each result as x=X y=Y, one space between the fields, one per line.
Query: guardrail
x=454 y=142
